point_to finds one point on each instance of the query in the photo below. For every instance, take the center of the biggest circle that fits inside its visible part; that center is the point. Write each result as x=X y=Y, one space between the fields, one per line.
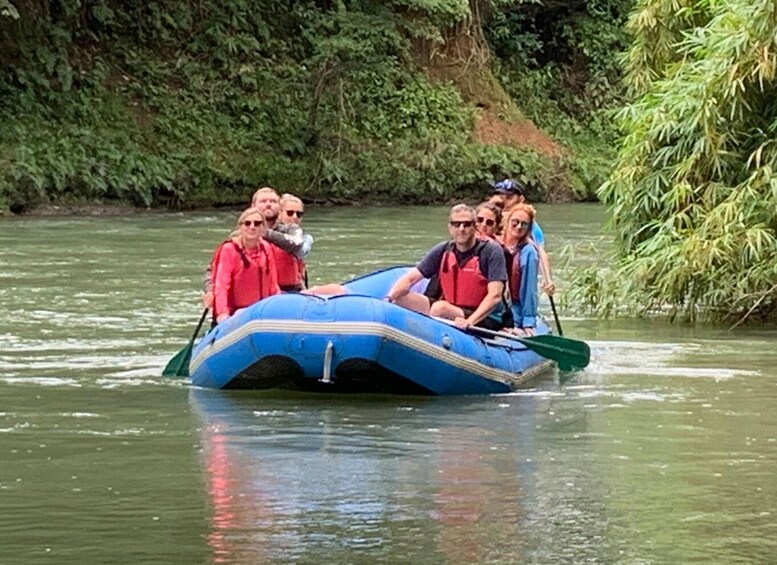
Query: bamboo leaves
x=8 y=10
x=693 y=194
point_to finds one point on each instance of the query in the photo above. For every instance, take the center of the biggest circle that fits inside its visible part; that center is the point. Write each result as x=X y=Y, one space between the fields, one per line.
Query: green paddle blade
x=179 y=365
x=570 y=354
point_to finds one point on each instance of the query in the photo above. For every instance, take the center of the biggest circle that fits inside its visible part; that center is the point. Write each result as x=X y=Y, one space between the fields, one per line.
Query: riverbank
x=118 y=208
x=64 y=208
x=85 y=209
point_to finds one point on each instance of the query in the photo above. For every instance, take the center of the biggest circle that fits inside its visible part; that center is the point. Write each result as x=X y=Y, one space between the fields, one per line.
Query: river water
x=661 y=451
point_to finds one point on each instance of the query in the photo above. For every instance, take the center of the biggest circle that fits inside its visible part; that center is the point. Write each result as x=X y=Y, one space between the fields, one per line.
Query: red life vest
x=514 y=276
x=252 y=280
x=214 y=262
x=464 y=286
x=291 y=269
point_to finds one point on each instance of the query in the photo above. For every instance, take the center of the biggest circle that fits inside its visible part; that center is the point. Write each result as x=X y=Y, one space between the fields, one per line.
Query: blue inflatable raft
x=357 y=343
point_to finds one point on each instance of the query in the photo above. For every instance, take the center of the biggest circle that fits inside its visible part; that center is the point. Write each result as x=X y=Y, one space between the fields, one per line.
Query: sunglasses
x=299 y=213
x=255 y=223
x=519 y=224
x=462 y=224
x=488 y=221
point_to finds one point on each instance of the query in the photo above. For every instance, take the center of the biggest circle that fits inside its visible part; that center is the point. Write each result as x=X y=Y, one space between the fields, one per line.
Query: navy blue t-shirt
x=491 y=261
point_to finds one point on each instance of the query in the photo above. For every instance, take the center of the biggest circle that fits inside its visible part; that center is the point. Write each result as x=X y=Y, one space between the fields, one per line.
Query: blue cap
x=509 y=186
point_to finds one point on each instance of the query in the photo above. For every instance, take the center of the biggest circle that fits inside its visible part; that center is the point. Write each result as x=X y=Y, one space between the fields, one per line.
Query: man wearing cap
x=508 y=193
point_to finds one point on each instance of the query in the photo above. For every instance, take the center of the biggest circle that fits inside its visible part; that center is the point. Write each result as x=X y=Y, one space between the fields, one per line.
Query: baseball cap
x=509 y=186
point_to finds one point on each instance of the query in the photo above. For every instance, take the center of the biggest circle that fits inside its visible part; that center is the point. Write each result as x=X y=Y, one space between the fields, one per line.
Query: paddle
x=555 y=315
x=570 y=354
x=178 y=366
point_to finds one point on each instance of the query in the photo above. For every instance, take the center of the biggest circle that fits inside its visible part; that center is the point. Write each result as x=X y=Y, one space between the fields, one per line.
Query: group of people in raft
x=486 y=275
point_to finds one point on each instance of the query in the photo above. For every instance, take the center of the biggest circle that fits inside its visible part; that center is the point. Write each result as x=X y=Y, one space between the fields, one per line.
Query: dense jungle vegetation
x=195 y=102
x=693 y=194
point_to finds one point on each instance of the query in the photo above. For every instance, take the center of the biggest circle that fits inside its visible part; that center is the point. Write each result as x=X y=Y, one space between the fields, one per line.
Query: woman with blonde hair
x=243 y=267
x=292 y=273
x=523 y=268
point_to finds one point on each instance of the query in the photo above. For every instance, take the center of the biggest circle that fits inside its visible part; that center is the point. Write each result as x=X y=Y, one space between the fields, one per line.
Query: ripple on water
x=42 y=381
x=642 y=358
x=134 y=374
x=115 y=366
x=643 y=396
x=535 y=393
x=108 y=383
x=67 y=345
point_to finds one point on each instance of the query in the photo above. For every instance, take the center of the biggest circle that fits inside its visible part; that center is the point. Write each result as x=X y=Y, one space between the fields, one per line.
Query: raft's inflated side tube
x=356 y=343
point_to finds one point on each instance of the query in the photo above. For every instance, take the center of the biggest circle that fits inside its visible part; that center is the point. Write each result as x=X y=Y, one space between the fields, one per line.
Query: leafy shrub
x=183 y=103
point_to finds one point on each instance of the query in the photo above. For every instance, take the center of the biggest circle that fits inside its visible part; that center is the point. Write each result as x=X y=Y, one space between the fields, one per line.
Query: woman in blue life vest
x=523 y=268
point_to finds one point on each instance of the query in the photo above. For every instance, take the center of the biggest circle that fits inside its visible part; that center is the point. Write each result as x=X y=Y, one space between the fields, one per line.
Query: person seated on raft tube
x=285 y=237
x=292 y=276
x=244 y=267
x=522 y=268
x=471 y=274
x=488 y=220
x=508 y=193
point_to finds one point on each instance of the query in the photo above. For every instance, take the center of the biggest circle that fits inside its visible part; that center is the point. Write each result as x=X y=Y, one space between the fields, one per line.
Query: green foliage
x=587 y=134
x=560 y=61
x=179 y=103
x=693 y=196
x=429 y=170
x=657 y=28
x=437 y=13
x=8 y=10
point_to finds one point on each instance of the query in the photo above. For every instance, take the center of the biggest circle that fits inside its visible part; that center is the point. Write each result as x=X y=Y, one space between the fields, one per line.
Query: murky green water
x=662 y=451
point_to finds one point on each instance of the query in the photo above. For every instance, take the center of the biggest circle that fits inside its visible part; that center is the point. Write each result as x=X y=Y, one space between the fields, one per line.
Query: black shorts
x=433 y=293
x=292 y=288
x=487 y=324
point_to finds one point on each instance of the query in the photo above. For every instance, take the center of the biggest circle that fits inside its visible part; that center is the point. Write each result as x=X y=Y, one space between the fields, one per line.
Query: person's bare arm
x=547 y=280
x=207 y=288
x=403 y=285
x=486 y=306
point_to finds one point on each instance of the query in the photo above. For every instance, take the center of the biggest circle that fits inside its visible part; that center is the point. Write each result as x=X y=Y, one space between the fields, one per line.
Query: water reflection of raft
x=357 y=343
